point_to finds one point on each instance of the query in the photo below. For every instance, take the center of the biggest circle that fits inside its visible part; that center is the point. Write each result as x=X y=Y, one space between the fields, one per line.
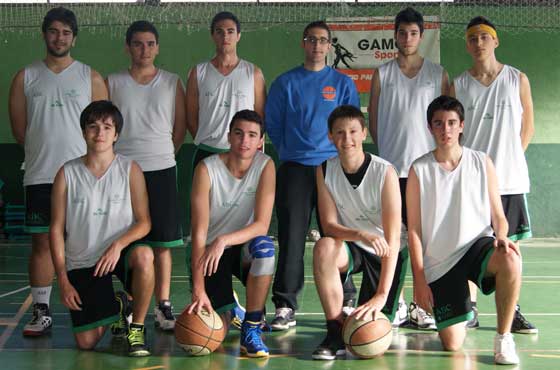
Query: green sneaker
x=120 y=328
x=136 y=341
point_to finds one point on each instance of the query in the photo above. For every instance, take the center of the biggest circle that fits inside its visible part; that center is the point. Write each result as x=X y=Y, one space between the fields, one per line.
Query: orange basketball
x=367 y=338
x=199 y=334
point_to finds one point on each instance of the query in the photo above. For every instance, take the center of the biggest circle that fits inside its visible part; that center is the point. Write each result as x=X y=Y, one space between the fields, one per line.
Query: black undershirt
x=355 y=179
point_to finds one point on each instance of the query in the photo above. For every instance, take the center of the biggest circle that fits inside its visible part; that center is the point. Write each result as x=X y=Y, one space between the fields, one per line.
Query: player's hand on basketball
x=211 y=257
x=505 y=245
x=108 y=260
x=370 y=308
x=200 y=302
x=377 y=242
x=69 y=296
x=423 y=296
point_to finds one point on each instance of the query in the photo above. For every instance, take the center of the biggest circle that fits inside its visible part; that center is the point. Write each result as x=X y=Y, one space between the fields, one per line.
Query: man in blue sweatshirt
x=296 y=114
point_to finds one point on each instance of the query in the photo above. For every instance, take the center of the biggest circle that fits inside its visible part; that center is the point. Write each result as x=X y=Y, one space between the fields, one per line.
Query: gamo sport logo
x=329 y=93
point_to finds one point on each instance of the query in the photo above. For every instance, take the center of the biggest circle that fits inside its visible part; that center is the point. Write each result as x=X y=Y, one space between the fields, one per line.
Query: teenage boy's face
x=225 y=35
x=59 y=39
x=245 y=138
x=143 y=49
x=408 y=38
x=100 y=135
x=316 y=45
x=347 y=135
x=446 y=127
x=481 y=45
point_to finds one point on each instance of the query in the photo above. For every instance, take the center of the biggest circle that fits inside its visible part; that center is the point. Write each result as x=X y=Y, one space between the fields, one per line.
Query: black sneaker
x=521 y=325
x=283 y=319
x=136 y=337
x=332 y=346
x=163 y=316
x=120 y=328
x=473 y=323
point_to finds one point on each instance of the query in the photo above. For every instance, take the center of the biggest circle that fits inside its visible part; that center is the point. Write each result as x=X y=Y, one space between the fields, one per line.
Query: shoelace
x=136 y=337
x=521 y=318
x=283 y=312
x=253 y=335
x=423 y=314
x=167 y=312
x=38 y=312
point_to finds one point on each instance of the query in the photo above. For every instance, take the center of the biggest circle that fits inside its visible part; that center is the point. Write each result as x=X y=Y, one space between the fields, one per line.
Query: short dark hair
x=317 y=24
x=445 y=103
x=141 y=26
x=61 y=15
x=101 y=110
x=223 y=16
x=480 y=20
x=409 y=15
x=247 y=115
x=346 y=112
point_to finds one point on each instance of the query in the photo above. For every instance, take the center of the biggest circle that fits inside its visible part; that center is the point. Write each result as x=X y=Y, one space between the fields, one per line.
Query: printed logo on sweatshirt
x=329 y=93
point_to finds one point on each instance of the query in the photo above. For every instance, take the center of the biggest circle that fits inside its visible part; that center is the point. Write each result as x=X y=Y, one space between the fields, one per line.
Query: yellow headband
x=481 y=28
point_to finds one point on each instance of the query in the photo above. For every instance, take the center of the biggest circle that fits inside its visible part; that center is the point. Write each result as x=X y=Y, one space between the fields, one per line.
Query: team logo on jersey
x=487 y=116
x=329 y=93
x=239 y=94
x=100 y=212
x=116 y=199
x=230 y=204
x=251 y=190
x=72 y=93
x=56 y=103
x=225 y=104
x=78 y=201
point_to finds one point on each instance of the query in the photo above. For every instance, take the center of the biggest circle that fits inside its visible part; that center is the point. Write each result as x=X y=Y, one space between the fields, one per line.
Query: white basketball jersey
x=359 y=208
x=232 y=200
x=149 y=115
x=493 y=117
x=98 y=211
x=219 y=98
x=402 y=130
x=455 y=209
x=54 y=103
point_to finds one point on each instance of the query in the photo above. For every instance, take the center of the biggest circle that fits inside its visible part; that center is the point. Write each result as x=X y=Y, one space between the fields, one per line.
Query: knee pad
x=261 y=250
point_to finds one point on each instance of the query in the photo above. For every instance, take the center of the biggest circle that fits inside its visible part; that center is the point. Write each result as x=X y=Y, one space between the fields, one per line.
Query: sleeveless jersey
x=54 y=103
x=232 y=200
x=493 y=118
x=455 y=209
x=98 y=211
x=219 y=98
x=359 y=208
x=402 y=130
x=149 y=115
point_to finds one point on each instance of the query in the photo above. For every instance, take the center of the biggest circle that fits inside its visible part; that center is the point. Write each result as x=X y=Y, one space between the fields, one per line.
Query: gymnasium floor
x=410 y=350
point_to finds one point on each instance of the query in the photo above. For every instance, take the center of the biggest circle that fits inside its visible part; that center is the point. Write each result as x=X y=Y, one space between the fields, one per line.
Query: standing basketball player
x=359 y=204
x=153 y=105
x=297 y=110
x=232 y=200
x=457 y=231
x=401 y=91
x=499 y=122
x=99 y=211
x=46 y=99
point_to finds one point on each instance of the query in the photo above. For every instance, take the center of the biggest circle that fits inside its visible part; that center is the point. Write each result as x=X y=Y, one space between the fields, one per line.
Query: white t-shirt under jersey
x=149 y=115
x=493 y=118
x=98 y=211
x=359 y=208
x=54 y=103
x=402 y=131
x=219 y=98
x=454 y=208
x=232 y=200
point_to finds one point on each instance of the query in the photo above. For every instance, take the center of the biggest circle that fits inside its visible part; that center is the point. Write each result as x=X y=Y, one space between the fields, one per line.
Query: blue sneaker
x=237 y=313
x=252 y=344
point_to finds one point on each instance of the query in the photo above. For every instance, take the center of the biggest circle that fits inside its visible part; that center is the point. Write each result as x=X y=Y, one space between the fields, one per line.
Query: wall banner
x=361 y=44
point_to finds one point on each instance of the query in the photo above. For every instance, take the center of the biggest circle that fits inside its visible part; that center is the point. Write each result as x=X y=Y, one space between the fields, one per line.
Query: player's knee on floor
x=261 y=250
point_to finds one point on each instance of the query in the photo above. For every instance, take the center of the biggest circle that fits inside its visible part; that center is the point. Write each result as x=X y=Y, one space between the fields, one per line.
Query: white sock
x=41 y=294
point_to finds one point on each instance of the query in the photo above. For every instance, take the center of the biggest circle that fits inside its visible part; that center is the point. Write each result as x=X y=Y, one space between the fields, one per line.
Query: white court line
x=14 y=291
x=15 y=320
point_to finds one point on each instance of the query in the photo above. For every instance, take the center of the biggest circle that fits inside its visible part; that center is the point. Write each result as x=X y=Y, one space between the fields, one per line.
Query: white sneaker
x=504 y=350
x=41 y=322
x=420 y=319
x=401 y=315
x=164 y=318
